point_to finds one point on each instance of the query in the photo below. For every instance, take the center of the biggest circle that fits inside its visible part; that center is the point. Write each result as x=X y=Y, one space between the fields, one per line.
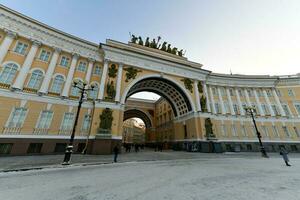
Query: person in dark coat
x=116 y=151
x=284 y=154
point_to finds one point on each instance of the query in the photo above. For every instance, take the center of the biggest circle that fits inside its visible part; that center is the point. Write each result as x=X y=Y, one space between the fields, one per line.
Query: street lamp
x=83 y=88
x=252 y=111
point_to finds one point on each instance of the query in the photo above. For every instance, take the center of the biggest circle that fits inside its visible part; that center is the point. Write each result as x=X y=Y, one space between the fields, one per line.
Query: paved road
x=208 y=177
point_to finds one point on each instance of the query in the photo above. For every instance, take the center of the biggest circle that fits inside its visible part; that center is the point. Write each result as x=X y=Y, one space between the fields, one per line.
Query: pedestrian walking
x=284 y=154
x=116 y=151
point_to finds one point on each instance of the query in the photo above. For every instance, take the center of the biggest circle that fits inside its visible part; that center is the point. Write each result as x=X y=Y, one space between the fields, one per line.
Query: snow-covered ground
x=226 y=178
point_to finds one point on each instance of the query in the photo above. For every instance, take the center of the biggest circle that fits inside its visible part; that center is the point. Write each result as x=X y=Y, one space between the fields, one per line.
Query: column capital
x=36 y=43
x=75 y=55
x=57 y=49
x=10 y=33
x=106 y=61
x=91 y=60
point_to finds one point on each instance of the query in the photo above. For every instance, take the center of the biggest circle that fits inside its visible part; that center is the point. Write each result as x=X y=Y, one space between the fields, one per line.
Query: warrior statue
x=110 y=90
x=180 y=53
x=174 y=51
x=169 y=50
x=147 y=43
x=134 y=39
x=164 y=46
x=153 y=44
x=141 y=41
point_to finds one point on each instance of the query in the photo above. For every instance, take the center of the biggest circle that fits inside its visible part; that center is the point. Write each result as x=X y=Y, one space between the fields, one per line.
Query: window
x=44 y=55
x=250 y=93
x=269 y=93
x=223 y=129
x=286 y=131
x=213 y=91
x=35 y=148
x=67 y=123
x=86 y=123
x=233 y=129
x=296 y=131
x=35 y=79
x=244 y=132
x=278 y=93
x=93 y=94
x=82 y=66
x=57 y=84
x=286 y=110
x=97 y=70
x=265 y=109
x=223 y=93
x=236 y=109
x=275 y=131
x=5 y=148
x=227 y=109
x=45 y=119
x=74 y=90
x=274 y=108
x=297 y=106
x=21 y=48
x=217 y=108
x=231 y=92
x=265 y=131
x=64 y=61
x=291 y=93
x=259 y=93
x=8 y=73
x=241 y=93
x=17 y=118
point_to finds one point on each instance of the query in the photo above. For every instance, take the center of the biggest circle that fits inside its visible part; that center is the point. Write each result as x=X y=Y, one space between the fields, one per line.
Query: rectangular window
x=35 y=148
x=259 y=93
x=82 y=66
x=17 y=118
x=233 y=129
x=265 y=109
x=286 y=109
x=241 y=93
x=67 y=123
x=5 y=148
x=244 y=132
x=97 y=70
x=214 y=91
x=64 y=61
x=291 y=93
x=223 y=129
x=275 y=131
x=274 y=108
x=223 y=93
x=286 y=131
x=250 y=93
x=269 y=93
x=265 y=131
x=236 y=109
x=21 y=48
x=278 y=93
x=44 y=55
x=297 y=106
x=217 y=108
x=86 y=123
x=231 y=92
x=45 y=119
x=226 y=105
x=296 y=131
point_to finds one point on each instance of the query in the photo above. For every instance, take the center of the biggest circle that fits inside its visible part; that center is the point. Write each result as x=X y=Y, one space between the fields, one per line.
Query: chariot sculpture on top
x=156 y=45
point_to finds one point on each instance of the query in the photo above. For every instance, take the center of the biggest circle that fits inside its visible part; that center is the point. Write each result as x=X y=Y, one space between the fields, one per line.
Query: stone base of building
x=104 y=146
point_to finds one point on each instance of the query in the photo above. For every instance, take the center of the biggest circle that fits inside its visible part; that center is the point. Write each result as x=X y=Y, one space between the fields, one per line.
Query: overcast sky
x=244 y=36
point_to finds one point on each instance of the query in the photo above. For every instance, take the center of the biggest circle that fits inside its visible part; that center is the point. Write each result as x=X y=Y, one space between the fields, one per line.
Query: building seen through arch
x=200 y=110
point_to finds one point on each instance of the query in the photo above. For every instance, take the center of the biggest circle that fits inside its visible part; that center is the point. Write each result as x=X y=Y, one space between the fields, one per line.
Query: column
x=68 y=82
x=10 y=36
x=47 y=79
x=278 y=102
x=119 y=81
x=261 y=111
x=197 y=95
x=230 y=102
x=103 y=80
x=19 y=82
x=206 y=96
x=212 y=101
x=221 y=101
x=89 y=70
x=247 y=97
x=268 y=102
x=242 y=111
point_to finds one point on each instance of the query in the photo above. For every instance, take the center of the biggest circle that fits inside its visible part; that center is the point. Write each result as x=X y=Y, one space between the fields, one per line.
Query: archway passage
x=133 y=113
x=167 y=89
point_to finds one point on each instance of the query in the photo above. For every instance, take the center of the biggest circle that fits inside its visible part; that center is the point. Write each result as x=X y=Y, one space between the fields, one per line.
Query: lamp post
x=251 y=111
x=81 y=86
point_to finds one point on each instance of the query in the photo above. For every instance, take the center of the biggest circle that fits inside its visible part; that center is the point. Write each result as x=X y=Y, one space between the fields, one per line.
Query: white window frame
x=46 y=56
x=47 y=123
x=67 y=127
x=12 y=67
x=275 y=131
x=286 y=131
x=233 y=129
x=23 y=48
x=37 y=82
x=81 y=66
x=64 y=61
x=11 y=116
x=83 y=128
x=62 y=85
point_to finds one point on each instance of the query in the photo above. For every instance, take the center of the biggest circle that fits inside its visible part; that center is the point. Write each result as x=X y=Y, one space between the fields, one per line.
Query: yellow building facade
x=38 y=102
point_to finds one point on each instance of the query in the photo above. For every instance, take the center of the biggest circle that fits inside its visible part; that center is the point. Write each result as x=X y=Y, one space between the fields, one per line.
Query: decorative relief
x=110 y=90
x=131 y=73
x=112 y=71
x=188 y=83
x=106 y=119
x=203 y=103
x=208 y=129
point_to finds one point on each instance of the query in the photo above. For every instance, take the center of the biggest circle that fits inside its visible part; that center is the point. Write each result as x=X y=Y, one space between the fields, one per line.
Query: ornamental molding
x=153 y=64
x=31 y=29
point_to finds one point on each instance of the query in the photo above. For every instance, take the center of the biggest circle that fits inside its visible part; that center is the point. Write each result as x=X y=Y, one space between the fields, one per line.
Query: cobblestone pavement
x=184 y=176
x=8 y=163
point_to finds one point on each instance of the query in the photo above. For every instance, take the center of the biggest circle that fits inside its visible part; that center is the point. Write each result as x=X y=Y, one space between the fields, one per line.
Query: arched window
x=35 y=79
x=93 y=94
x=75 y=90
x=57 y=84
x=8 y=73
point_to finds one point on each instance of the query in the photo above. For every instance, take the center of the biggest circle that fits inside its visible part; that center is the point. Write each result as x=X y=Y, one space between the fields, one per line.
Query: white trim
x=13 y=62
x=54 y=75
x=37 y=68
x=125 y=92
